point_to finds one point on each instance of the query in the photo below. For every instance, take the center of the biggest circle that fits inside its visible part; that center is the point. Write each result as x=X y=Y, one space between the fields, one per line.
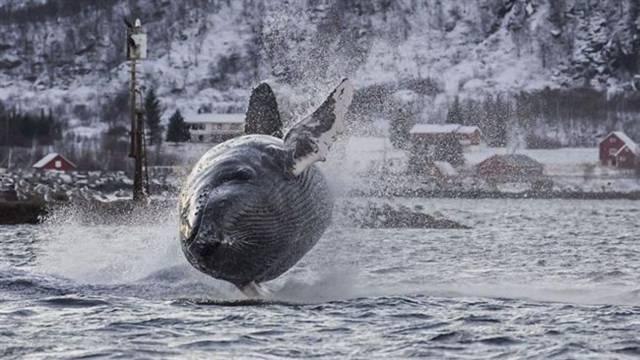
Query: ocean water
x=530 y=279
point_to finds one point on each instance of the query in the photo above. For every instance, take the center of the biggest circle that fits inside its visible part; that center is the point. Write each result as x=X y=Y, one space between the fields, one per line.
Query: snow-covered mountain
x=207 y=54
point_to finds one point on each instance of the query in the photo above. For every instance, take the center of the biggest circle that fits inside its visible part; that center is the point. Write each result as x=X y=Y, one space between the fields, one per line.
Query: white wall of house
x=213 y=127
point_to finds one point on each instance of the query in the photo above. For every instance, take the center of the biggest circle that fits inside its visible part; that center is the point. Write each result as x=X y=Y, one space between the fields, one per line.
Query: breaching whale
x=253 y=206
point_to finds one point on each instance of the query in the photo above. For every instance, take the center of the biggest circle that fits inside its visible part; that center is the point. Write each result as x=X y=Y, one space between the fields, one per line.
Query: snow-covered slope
x=206 y=54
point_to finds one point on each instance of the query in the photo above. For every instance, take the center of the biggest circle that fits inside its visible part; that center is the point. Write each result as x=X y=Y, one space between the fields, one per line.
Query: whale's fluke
x=263 y=116
x=310 y=139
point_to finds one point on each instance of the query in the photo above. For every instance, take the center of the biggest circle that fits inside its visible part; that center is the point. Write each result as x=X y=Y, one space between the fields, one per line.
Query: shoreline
x=482 y=194
x=35 y=212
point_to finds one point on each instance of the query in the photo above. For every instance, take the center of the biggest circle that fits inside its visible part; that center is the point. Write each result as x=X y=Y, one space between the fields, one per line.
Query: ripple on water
x=72 y=301
x=627 y=348
x=412 y=316
x=515 y=285
x=500 y=340
x=479 y=319
x=458 y=336
x=235 y=302
x=215 y=344
x=19 y=313
x=416 y=329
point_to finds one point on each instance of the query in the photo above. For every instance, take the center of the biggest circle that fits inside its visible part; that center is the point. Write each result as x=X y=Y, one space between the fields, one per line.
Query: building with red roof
x=619 y=150
x=54 y=161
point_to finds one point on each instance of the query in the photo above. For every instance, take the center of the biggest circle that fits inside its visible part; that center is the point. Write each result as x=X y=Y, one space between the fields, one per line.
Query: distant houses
x=214 y=128
x=618 y=150
x=54 y=161
x=433 y=133
x=439 y=142
x=512 y=167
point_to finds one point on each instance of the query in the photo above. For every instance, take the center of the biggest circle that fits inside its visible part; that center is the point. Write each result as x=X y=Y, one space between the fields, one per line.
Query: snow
x=627 y=141
x=442 y=129
x=363 y=154
x=214 y=118
x=45 y=160
x=412 y=40
x=405 y=97
x=188 y=153
x=445 y=168
x=89 y=131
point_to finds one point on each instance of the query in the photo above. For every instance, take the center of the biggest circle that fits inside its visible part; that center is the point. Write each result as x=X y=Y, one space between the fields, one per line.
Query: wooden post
x=132 y=109
x=136 y=149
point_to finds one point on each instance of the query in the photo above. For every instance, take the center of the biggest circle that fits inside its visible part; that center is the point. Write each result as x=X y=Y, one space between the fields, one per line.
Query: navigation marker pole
x=136 y=48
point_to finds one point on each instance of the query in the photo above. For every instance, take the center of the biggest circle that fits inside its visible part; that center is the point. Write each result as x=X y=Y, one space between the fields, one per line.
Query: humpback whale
x=254 y=205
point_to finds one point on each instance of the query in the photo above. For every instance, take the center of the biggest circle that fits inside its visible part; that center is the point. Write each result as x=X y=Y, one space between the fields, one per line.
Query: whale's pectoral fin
x=254 y=290
x=263 y=116
x=310 y=139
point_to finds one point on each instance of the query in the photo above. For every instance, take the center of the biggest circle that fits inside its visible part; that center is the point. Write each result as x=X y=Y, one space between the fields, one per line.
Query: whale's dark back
x=273 y=222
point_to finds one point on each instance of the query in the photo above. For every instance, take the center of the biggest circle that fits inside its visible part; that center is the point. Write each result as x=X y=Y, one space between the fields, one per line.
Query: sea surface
x=530 y=279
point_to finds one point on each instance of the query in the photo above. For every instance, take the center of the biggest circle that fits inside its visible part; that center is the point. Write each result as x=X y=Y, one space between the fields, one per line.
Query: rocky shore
x=486 y=194
x=376 y=215
x=77 y=186
x=21 y=212
x=27 y=197
x=30 y=197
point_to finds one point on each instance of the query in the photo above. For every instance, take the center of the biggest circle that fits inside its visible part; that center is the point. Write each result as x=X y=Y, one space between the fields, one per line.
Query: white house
x=214 y=128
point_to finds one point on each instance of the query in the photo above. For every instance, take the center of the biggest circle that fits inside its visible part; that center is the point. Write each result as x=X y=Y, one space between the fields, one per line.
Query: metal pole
x=146 y=162
x=136 y=151
x=132 y=103
x=138 y=186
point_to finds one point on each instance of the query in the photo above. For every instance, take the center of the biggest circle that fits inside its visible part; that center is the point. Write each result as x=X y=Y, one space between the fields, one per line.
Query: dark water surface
x=531 y=279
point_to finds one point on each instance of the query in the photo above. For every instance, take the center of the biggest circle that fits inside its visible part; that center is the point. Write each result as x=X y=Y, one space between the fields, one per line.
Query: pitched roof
x=445 y=168
x=626 y=140
x=515 y=160
x=626 y=147
x=214 y=118
x=48 y=158
x=443 y=129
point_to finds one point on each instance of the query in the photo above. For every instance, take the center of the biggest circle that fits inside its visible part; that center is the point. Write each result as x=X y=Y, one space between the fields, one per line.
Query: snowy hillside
x=206 y=54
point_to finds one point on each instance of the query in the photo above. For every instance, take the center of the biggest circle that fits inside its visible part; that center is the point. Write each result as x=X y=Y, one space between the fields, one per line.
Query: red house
x=54 y=161
x=618 y=150
x=510 y=167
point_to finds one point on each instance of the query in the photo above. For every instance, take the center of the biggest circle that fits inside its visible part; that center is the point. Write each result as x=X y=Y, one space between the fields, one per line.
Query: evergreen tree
x=178 y=130
x=400 y=126
x=471 y=113
x=454 y=115
x=153 y=113
x=502 y=115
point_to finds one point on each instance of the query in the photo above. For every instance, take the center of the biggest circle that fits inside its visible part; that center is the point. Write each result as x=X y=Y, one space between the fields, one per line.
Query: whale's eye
x=237 y=175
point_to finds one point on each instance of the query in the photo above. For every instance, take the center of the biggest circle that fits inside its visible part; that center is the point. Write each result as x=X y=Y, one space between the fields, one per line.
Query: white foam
x=143 y=253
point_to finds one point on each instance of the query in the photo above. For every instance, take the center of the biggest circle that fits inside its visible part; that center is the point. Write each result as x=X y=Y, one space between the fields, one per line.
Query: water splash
x=123 y=250
x=140 y=256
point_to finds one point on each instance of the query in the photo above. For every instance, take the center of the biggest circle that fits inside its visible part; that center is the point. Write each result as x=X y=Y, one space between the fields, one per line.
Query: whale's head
x=232 y=199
